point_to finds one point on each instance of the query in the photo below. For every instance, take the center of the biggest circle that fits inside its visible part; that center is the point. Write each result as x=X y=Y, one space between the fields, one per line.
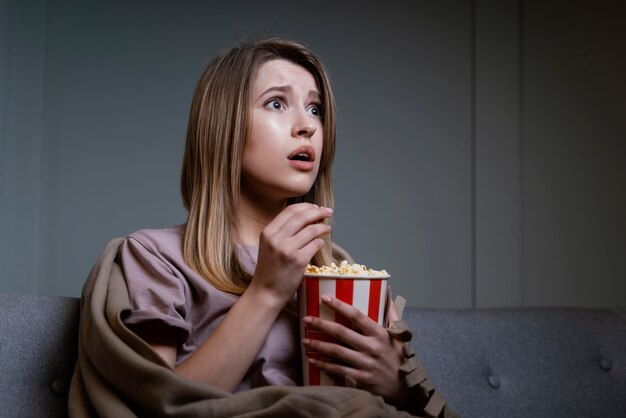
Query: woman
x=214 y=298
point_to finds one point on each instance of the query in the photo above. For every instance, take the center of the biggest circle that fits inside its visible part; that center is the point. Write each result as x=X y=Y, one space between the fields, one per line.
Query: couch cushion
x=529 y=362
x=37 y=353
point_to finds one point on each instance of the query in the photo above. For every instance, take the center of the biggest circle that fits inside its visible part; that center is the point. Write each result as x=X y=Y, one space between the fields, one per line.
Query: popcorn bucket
x=368 y=293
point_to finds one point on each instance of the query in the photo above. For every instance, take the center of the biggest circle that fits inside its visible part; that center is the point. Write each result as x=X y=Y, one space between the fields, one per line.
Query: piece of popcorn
x=344 y=269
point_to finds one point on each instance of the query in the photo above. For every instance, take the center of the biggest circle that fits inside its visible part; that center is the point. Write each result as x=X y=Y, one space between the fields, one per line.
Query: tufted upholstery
x=528 y=362
x=37 y=354
x=525 y=362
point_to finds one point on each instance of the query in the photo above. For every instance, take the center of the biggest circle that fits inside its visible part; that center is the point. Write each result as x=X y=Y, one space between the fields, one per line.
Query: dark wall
x=480 y=145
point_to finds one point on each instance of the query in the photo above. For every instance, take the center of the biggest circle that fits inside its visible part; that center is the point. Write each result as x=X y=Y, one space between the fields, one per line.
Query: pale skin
x=285 y=117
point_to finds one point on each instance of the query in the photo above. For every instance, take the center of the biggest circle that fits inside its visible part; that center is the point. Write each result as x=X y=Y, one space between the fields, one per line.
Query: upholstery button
x=59 y=388
x=494 y=381
x=606 y=364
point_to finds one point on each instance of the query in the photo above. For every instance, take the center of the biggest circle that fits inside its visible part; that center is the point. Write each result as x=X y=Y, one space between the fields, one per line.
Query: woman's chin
x=298 y=194
x=296 y=189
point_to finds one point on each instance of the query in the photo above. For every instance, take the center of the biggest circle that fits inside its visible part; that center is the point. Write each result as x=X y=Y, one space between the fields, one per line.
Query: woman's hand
x=286 y=246
x=368 y=354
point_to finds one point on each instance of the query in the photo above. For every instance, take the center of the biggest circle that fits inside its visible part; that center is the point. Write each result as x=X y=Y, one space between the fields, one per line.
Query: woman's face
x=282 y=154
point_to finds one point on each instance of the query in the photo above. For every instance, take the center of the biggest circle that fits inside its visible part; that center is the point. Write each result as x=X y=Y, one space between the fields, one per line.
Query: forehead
x=280 y=72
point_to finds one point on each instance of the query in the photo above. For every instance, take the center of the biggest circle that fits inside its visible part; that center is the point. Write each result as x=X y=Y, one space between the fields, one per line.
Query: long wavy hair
x=219 y=124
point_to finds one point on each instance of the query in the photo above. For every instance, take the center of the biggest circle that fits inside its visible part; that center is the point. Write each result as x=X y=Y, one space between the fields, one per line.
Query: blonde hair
x=219 y=123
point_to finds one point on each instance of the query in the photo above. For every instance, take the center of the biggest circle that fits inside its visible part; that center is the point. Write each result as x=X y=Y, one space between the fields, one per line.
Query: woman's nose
x=303 y=126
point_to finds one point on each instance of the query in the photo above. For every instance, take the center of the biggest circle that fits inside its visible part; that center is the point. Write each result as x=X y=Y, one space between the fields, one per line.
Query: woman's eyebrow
x=284 y=89
x=288 y=89
x=316 y=94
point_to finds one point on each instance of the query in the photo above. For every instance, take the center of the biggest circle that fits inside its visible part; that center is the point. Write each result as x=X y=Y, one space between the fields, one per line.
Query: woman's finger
x=308 y=234
x=333 y=350
x=308 y=251
x=295 y=212
x=281 y=219
x=310 y=216
x=338 y=331
x=352 y=314
x=339 y=371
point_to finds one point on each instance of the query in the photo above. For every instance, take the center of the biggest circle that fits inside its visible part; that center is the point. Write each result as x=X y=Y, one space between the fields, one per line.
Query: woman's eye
x=315 y=110
x=274 y=104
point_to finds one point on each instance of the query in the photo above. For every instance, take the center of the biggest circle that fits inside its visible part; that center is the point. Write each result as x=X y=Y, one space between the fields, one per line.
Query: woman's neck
x=253 y=215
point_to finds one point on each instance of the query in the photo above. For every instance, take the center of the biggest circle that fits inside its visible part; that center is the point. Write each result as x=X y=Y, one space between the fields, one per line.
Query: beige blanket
x=117 y=374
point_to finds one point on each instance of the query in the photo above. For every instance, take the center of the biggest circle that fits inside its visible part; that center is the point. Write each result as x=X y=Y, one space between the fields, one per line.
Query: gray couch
x=530 y=362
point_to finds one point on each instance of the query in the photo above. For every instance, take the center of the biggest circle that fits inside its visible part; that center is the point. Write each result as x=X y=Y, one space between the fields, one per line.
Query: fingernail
x=328 y=210
x=306 y=341
x=311 y=360
x=326 y=299
x=307 y=319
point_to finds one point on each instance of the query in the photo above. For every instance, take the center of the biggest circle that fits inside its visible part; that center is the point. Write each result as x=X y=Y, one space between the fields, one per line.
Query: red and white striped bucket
x=367 y=293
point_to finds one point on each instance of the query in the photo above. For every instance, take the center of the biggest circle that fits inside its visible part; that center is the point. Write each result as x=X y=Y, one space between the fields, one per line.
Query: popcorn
x=344 y=269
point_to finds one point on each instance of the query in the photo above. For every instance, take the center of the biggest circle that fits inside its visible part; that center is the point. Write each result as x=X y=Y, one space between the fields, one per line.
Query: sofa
x=504 y=362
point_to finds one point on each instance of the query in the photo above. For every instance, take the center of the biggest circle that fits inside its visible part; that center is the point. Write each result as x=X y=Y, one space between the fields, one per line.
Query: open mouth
x=300 y=157
x=304 y=153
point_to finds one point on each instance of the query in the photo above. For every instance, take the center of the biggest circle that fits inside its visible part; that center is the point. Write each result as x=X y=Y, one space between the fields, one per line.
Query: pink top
x=165 y=291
